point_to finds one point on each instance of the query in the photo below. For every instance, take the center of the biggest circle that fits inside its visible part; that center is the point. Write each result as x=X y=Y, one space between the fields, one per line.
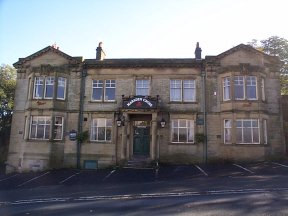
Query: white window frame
x=227 y=131
x=189 y=127
x=110 y=84
x=49 y=81
x=237 y=82
x=250 y=83
x=182 y=85
x=95 y=129
x=96 y=84
x=265 y=134
x=251 y=128
x=246 y=83
x=226 y=88
x=175 y=85
x=142 y=85
x=60 y=82
x=59 y=125
x=47 y=126
x=38 y=81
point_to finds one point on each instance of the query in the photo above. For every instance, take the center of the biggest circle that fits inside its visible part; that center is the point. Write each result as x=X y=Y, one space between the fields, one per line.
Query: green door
x=141 y=140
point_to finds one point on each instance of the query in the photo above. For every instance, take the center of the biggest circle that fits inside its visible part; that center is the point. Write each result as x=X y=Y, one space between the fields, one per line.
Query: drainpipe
x=80 y=119
x=203 y=75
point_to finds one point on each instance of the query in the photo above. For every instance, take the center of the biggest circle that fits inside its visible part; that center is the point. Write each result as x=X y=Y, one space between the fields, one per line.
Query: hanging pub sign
x=139 y=102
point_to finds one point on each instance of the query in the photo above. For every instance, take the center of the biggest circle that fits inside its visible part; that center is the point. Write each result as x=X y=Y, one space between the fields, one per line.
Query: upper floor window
x=183 y=90
x=61 y=88
x=44 y=88
x=101 y=129
x=245 y=88
x=182 y=131
x=38 y=88
x=226 y=89
x=103 y=90
x=142 y=87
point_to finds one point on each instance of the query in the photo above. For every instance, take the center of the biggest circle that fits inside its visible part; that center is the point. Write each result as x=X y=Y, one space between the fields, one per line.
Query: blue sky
x=136 y=28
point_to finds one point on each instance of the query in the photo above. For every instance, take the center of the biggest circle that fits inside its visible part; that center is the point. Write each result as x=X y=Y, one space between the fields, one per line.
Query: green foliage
x=83 y=136
x=200 y=138
x=284 y=84
x=276 y=46
x=7 y=91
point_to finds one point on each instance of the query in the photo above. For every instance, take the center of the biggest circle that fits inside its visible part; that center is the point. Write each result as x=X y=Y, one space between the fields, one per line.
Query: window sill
x=182 y=102
x=181 y=143
x=92 y=101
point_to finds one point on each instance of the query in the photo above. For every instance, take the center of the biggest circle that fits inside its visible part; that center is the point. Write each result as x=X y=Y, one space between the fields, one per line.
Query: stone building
x=102 y=112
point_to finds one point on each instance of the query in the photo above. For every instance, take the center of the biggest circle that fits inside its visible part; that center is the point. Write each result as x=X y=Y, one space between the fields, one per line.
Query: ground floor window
x=247 y=131
x=41 y=126
x=182 y=131
x=101 y=129
x=227 y=131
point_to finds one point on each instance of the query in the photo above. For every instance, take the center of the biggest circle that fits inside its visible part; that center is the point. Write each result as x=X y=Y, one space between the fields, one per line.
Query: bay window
x=44 y=87
x=247 y=131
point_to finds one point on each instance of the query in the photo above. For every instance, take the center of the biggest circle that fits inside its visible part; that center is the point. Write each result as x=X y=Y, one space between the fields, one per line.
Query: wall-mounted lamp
x=162 y=123
x=119 y=122
x=120 y=119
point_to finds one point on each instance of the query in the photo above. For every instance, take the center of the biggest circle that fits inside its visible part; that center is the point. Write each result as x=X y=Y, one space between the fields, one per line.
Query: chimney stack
x=100 y=54
x=198 y=51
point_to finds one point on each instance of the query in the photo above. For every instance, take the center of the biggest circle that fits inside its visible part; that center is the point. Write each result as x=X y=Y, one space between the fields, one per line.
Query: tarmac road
x=231 y=189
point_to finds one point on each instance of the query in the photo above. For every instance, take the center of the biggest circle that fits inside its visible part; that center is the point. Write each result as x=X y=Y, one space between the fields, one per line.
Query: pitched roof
x=46 y=50
x=247 y=48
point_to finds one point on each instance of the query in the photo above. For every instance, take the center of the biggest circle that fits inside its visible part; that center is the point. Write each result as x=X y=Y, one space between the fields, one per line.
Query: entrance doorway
x=141 y=138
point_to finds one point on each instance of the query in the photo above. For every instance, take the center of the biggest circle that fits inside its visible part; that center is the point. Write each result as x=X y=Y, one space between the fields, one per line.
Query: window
x=49 y=87
x=182 y=131
x=263 y=89
x=227 y=131
x=61 y=88
x=239 y=87
x=38 y=88
x=245 y=88
x=58 y=128
x=183 y=90
x=175 y=90
x=265 y=131
x=101 y=129
x=40 y=127
x=251 y=86
x=226 y=89
x=142 y=87
x=247 y=131
x=44 y=88
x=110 y=90
x=98 y=90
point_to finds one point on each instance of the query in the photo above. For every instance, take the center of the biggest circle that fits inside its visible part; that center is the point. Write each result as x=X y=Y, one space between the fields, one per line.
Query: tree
x=276 y=46
x=7 y=91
